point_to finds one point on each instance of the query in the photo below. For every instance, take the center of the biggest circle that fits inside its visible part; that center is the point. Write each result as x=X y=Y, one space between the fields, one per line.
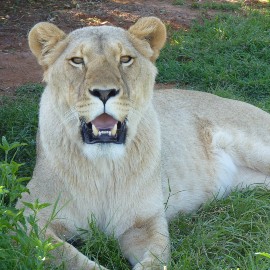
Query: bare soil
x=18 y=66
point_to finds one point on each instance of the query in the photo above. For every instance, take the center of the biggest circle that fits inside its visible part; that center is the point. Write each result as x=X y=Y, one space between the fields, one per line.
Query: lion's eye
x=126 y=60
x=77 y=60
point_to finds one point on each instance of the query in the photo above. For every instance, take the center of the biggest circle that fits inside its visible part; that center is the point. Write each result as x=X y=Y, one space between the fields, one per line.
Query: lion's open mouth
x=103 y=129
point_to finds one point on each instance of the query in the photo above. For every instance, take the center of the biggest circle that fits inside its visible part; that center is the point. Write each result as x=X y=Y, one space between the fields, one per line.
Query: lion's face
x=103 y=76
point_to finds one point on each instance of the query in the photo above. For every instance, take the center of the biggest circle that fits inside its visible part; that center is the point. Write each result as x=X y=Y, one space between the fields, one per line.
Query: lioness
x=111 y=147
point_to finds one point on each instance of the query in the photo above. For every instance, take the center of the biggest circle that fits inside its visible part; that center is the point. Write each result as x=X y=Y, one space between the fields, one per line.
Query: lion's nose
x=104 y=95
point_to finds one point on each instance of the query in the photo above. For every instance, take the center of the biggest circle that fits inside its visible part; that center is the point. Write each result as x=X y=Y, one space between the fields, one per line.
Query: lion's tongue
x=104 y=121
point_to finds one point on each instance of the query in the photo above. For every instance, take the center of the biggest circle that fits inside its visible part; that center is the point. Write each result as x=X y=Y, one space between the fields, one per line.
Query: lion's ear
x=42 y=39
x=152 y=30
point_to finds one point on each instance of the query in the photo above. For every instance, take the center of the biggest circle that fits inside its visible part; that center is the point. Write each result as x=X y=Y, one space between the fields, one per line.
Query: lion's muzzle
x=104 y=129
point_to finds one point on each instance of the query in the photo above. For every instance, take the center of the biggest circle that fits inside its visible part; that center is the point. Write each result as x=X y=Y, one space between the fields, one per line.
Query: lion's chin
x=104 y=151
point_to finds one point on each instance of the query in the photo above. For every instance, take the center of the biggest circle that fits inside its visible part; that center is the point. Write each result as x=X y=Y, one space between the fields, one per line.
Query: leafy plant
x=22 y=242
x=11 y=185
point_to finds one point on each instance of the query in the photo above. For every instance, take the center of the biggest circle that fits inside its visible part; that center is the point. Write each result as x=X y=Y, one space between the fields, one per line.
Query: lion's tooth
x=95 y=130
x=114 y=130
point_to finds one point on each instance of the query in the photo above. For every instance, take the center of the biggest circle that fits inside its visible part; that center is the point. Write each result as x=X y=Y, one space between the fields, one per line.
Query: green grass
x=224 y=234
x=103 y=249
x=179 y=2
x=228 y=56
x=205 y=5
x=222 y=6
x=19 y=121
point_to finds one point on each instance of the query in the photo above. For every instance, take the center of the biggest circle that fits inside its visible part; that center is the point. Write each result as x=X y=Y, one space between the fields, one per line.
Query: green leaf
x=29 y=205
x=23 y=179
x=16 y=145
x=3 y=190
x=5 y=144
x=267 y=255
x=36 y=206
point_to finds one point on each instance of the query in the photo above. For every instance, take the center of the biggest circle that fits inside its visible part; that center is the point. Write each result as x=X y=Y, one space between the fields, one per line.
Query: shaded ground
x=18 y=66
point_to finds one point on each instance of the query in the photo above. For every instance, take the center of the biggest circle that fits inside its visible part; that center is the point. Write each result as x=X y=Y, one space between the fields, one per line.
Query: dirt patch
x=18 y=66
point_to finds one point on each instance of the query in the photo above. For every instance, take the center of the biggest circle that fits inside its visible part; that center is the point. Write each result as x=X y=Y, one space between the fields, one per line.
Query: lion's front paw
x=149 y=265
x=90 y=265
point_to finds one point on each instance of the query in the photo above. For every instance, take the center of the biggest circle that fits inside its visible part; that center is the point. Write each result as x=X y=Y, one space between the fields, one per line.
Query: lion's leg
x=146 y=244
x=250 y=156
x=246 y=177
x=252 y=153
x=70 y=257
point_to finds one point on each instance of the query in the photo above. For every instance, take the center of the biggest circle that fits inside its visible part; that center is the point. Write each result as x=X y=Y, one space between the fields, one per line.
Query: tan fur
x=207 y=145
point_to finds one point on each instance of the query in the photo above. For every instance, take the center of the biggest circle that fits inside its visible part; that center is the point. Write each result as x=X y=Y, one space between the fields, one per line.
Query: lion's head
x=103 y=75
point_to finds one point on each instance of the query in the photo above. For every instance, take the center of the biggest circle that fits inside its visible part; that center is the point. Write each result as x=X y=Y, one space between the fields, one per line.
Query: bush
x=21 y=246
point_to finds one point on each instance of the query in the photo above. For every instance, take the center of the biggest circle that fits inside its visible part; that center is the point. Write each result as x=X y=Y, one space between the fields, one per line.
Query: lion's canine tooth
x=113 y=131
x=95 y=130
